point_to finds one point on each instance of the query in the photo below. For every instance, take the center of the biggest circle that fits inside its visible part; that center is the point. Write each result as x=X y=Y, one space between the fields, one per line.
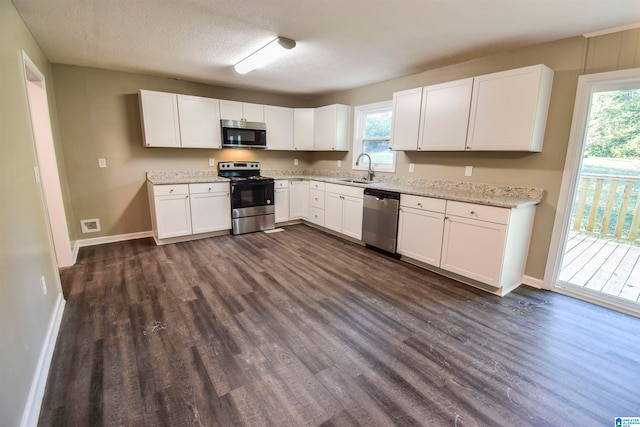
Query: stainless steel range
x=252 y=201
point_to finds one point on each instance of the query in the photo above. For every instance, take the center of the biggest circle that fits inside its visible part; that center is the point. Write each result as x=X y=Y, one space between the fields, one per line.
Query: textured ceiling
x=341 y=44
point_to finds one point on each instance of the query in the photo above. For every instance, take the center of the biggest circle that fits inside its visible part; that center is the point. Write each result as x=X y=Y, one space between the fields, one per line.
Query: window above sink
x=372 y=136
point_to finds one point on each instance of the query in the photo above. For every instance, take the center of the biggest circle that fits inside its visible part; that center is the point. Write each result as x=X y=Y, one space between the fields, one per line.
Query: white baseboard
x=31 y=411
x=106 y=239
x=533 y=282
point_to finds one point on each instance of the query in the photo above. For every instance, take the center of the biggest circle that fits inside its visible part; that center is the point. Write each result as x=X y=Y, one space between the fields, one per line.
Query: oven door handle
x=250 y=184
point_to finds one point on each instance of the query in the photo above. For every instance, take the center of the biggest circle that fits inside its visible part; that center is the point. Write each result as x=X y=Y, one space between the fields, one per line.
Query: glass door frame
x=588 y=84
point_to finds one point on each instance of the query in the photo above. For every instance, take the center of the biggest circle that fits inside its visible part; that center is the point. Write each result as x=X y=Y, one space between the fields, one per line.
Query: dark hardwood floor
x=299 y=328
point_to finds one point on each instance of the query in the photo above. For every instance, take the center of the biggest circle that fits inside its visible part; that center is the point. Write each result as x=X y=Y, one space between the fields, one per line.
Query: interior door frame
x=47 y=173
x=587 y=85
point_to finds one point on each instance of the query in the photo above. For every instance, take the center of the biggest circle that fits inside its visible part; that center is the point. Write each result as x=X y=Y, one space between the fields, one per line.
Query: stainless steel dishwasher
x=380 y=220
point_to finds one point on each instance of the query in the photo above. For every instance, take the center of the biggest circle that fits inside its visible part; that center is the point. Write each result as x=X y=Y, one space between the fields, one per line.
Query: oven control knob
x=268 y=202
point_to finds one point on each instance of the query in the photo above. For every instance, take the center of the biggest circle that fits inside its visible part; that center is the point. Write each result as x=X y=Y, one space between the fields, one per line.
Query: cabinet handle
x=342 y=197
x=420 y=204
x=446 y=217
x=171 y=190
x=472 y=212
x=209 y=189
x=419 y=148
x=186 y=197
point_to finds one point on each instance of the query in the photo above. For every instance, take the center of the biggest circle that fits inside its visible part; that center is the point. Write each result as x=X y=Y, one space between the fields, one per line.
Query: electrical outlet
x=412 y=167
x=468 y=171
x=102 y=163
x=295 y=162
x=212 y=162
x=339 y=163
x=43 y=282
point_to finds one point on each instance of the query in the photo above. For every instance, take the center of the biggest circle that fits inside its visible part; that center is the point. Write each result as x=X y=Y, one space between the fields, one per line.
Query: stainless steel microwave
x=243 y=134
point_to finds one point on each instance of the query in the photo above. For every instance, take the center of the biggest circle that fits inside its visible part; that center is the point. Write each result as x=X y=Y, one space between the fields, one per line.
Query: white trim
x=611 y=30
x=587 y=84
x=107 y=239
x=533 y=282
x=31 y=411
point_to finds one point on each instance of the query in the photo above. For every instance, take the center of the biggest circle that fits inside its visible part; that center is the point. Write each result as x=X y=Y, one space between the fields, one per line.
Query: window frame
x=360 y=112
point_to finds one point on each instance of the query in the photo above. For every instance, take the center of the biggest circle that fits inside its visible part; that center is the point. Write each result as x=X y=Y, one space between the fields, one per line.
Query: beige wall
x=99 y=117
x=25 y=247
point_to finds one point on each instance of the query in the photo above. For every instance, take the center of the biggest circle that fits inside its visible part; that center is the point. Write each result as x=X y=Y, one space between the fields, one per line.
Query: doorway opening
x=598 y=257
x=47 y=170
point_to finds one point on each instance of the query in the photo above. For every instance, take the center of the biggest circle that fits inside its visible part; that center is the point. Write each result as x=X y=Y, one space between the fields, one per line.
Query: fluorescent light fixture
x=265 y=55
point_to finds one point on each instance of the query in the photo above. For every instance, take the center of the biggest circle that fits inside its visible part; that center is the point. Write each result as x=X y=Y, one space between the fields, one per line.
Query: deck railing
x=608 y=205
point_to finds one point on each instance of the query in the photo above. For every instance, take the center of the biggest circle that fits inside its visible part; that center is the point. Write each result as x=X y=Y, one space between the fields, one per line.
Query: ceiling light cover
x=266 y=54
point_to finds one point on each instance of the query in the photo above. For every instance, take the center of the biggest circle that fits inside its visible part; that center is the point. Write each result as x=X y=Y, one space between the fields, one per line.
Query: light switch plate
x=339 y=163
x=468 y=171
x=102 y=163
x=412 y=167
x=295 y=162
x=212 y=162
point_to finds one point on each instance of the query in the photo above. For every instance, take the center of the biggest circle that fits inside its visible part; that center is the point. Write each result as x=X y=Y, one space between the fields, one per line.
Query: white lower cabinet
x=420 y=228
x=281 y=195
x=483 y=243
x=298 y=199
x=210 y=207
x=171 y=210
x=343 y=209
x=316 y=202
x=185 y=209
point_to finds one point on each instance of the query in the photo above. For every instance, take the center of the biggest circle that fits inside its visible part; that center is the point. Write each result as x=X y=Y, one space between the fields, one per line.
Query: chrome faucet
x=370 y=171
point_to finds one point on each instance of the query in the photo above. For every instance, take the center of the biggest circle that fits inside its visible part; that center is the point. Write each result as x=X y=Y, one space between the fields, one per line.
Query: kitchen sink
x=355 y=181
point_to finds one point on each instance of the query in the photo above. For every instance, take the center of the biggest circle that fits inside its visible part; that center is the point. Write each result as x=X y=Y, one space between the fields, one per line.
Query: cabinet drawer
x=281 y=183
x=316 y=199
x=316 y=215
x=345 y=190
x=479 y=212
x=170 y=189
x=316 y=185
x=208 y=187
x=425 y=203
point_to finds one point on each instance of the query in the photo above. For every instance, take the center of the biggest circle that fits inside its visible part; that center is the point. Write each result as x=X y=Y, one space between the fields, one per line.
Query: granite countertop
x=184 y=177
x=504 y=196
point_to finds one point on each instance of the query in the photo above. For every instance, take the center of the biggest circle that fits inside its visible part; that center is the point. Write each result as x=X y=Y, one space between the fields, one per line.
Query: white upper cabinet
x=303 y=128
x=405 y=124
x=331 y=127
x=234 y=110
x=509 y=110
x=280 y=127
x=445 y=116
x=505 y=111
x=159 y=111
x=199 y=122
x=171 y=120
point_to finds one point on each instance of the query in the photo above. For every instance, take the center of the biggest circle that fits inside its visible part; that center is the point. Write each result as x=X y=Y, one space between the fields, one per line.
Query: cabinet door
x=333 y=211
x=473 y=249
x=303 y=129
x=420 y=235
x=210 y=212
x=253 y=112
x=352 y=209
x=279 y=122
x=405 y=125
x=160 y=126
x=331 y=127
x=199 y=122
x=509 y=110
x=298 y=199
x=445 y=116
x=173 y=215
x=230 y=110
x=281 y=196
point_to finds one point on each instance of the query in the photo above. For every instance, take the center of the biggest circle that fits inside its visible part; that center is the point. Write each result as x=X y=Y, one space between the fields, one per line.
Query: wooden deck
x=602 y=265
